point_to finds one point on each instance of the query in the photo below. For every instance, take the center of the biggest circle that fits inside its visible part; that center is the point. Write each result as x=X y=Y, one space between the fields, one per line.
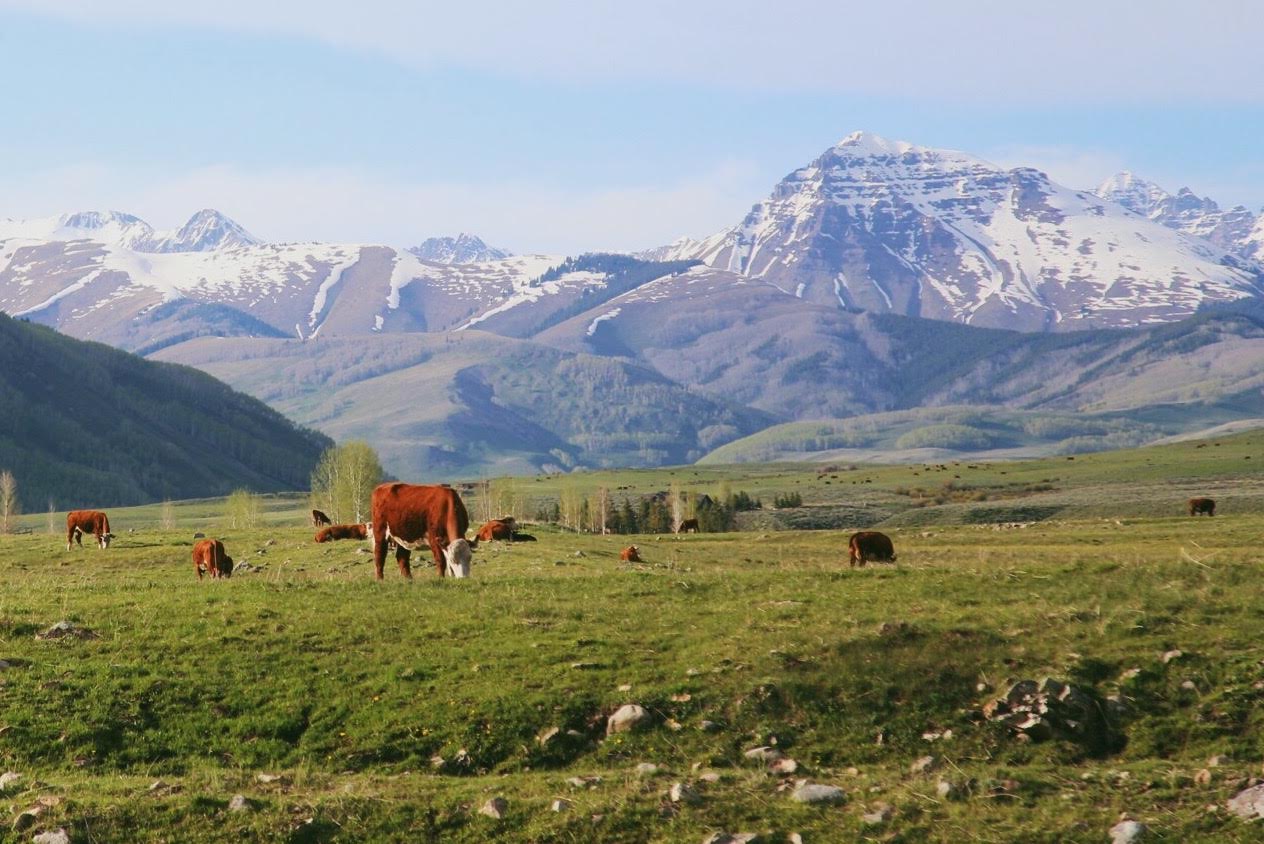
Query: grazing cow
x=870 y=545
x=496 y=529
x=319 y=518
x=209 y=556
x=79 y=522
x=1202 y=505
x=629 y=555
x=413 y=515
x=333 y=532
x=688 y=526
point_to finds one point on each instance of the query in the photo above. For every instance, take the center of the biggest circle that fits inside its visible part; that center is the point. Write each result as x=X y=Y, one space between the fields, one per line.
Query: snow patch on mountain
x=598 y=320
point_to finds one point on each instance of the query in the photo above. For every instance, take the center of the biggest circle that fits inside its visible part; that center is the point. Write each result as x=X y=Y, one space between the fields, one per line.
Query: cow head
x=457 y=557
x=226 y=566
x=105 y=539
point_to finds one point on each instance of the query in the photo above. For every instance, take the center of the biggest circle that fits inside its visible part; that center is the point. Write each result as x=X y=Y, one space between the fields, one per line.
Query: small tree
x=8 y=500
x=343 y=482
x=52 y=517
x=242 y=509
x=167 y=515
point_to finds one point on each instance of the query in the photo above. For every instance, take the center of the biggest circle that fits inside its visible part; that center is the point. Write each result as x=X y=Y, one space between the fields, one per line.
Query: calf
x=688 y=526
x=209 y=556
x=869 y=545
x=79 y=522
x=1202 y=505
x=334 y=532
x=319 y=518
x=629 y=555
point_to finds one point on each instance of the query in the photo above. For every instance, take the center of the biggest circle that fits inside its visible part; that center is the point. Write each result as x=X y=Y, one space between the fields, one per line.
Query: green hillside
x=83 y=422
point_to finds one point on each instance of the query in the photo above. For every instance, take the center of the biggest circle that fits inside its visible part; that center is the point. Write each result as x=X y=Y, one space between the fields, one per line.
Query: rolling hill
x=85 y=424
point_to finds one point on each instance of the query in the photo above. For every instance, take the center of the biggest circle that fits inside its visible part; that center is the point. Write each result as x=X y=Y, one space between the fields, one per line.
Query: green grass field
x=393 y=711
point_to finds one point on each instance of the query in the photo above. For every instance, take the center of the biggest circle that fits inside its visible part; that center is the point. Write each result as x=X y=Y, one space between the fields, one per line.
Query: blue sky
x=556 y=126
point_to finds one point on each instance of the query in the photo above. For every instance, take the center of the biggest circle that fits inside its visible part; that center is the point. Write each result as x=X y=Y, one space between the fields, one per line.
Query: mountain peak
x=465 y=248
x=869 y=143
x=206 y=231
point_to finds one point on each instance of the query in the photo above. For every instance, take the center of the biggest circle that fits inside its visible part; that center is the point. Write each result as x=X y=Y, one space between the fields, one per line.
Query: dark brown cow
x=209 y=556
x=411 y=515
x=629 y=555
x=79 y=522
x=502 y=529
x=1202 y=505
x=319 y=518
x=688 y=526
x=870 y=545
x=333 y=532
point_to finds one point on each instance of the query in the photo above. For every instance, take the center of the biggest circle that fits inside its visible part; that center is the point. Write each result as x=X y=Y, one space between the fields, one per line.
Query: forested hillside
x=85 y=424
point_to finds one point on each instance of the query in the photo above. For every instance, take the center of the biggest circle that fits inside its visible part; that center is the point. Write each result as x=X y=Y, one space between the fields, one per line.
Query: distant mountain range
x=882 y=276
x=87 y=425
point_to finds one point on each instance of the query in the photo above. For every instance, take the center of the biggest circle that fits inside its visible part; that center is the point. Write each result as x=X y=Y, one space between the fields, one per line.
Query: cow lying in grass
x=334 y=532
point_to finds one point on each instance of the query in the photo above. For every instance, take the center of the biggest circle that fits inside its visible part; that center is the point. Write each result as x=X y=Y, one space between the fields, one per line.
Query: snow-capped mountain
x=462 y=249
x=206 y=231
x=885 y=225
x=1234 y=229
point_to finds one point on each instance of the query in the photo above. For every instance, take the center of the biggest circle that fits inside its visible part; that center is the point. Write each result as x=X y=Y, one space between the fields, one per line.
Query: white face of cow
x=105 y=539
x=458 y=557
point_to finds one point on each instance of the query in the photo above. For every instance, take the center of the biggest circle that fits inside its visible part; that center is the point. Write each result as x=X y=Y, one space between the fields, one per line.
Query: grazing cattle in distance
x=412 y=515
x=334 y=532
x=688 y=526
x=1202 y=505
x=496 y=529
x=629 y=555
x=869 y=545
x=79 y=522
x=319 y=518
x=209 y=556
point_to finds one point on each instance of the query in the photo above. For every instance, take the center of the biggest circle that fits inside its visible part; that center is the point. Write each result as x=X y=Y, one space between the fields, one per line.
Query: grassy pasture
x=348 y=690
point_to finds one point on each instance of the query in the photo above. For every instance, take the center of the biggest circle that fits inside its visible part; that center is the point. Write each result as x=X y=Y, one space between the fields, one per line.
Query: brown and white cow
x=502 y=529
x=209 y=557
x=79 y=522
x=629 y=555
x=412 y=515
x=1202 y=505
x=688 y=526
x=869 y=545
x=319 y=518
x=334 y=532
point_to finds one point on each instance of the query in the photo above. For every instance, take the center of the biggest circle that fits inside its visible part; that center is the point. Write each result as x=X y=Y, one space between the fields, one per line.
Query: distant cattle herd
x=409 y=517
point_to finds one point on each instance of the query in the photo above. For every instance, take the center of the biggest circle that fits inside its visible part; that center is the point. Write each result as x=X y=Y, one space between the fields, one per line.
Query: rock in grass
x=66 y=630
x=1218 y=760
x=683 y=792
x=26 y=819
x=732 y=838
x=1249 y=803
x=646 y=769
x=547 y=735
x=496 y=807
x=239 y=803
x=1127 y=832
x=9 y=779
x=924 y=764
x=764 y=754
x=560 y=805
x=810 y=792
x=882 y=812
x=56 y=836
x=946 y=790
x=784 y=765
x=626 y=718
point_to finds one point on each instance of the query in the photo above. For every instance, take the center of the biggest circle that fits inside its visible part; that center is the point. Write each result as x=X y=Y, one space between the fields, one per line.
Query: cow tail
x=105 y=523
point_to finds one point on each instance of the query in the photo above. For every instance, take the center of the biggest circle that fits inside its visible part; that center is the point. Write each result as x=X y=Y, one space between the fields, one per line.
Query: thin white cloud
x=339 y=204
x=1069 y=166
x=1074 y=51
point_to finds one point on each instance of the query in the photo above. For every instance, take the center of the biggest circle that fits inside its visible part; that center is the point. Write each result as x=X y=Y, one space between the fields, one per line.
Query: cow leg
x=379 y=552
x=401 y=556
x=437 y=550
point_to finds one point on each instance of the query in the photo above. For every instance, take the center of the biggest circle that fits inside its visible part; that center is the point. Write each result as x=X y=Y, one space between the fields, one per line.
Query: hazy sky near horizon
x=571 y=126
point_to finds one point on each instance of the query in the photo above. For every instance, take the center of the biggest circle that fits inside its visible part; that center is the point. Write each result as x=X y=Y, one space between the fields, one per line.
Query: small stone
x=946 y=790
x=882 y=812
x=924 y=765
x=785 y=765
x=674 y=725
x=584 y=782
x=1188 y=685
x=495 y=808
x=1168 y=656
x=1203 y=777
x=56 y=836
x=547 y=735
x=1248 y=804
x=9 y=778
x=626 y=687
x=683 y=792
x=646 y=769
x=795 y=838
x=764 y=754
x=268 y=778
x=560 y=805
x=808 y=792
x=1126 y=832
x=626 y=718
x=1218 y=760
x=579 y=554
x=66 y=629
x=239 y=803
x=708 y=726
x=1130 y=673
x=27 y=818
x=852 y=772
x=709 y=777
x=732 y=838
